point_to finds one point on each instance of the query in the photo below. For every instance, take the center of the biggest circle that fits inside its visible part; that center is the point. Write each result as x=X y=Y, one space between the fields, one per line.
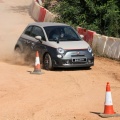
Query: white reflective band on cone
x=37 y=61
x=108 y=99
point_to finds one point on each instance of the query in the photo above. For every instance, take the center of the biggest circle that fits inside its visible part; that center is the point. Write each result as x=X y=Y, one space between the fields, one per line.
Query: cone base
x=109 y=115
x=36 y=72
x=108 y=109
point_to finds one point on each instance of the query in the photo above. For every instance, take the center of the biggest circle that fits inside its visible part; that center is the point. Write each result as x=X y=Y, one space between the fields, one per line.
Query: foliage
x=47 y=4
x=102 y=16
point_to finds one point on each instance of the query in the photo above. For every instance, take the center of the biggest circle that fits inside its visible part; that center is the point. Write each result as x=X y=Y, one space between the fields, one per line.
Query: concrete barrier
x=39 y=13
x=117 y=46
x=35 y=11
x=96 y=37
x=112 y=48
x=108 y=48
x=40 y=2
x=49 y=17
x=81 y=30
x=101 y=44
x=42 y=14
x=32 y=7
x=89 y=36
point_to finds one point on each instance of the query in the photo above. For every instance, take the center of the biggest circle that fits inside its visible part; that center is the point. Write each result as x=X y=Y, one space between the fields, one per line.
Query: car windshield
x=61 y=33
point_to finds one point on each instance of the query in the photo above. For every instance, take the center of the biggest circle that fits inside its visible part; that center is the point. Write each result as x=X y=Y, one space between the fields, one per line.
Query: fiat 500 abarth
x=59 y=45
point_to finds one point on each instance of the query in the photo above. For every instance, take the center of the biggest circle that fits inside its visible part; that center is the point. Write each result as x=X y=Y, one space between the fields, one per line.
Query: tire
x=47 y=63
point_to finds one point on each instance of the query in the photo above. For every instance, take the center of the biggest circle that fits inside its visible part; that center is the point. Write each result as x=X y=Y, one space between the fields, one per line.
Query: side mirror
x=82 y=36
x=38 y=38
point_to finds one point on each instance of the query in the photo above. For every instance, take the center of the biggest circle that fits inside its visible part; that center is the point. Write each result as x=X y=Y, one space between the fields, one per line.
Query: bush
x=102 y=16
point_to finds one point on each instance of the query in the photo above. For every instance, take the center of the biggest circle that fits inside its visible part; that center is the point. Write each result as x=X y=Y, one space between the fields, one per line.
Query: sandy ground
x=64 y=94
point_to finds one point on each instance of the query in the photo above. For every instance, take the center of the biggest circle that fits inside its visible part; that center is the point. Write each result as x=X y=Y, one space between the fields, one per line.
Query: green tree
x=102 y=16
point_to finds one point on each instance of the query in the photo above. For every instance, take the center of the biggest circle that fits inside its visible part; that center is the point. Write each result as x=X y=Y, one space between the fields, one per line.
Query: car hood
x=69 y=44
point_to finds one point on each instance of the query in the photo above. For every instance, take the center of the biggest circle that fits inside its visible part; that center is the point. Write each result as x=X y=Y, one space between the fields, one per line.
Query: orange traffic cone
x=37 y=68
x=108 y=108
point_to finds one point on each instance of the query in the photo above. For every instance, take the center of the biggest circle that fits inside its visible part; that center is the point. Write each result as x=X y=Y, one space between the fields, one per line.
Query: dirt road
x=64 y=94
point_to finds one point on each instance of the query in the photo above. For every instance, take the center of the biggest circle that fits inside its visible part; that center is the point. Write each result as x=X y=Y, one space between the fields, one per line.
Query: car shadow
x=71 y=69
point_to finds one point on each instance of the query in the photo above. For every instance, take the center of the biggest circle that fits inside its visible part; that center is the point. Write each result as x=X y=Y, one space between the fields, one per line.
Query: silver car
x=59 y=45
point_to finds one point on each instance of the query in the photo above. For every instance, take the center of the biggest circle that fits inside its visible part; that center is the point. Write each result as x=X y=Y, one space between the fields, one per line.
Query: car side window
x=28 y=30
x=37 y=31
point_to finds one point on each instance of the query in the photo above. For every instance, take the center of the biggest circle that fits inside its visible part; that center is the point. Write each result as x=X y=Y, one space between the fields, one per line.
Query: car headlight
x=89 y=49
x=60 y=50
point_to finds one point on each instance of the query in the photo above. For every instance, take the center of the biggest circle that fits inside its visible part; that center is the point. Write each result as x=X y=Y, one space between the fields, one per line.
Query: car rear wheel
x=48 y=62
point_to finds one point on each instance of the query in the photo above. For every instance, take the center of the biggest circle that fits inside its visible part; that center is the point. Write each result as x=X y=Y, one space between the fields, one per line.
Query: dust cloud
x=15 y=18
x=9 y=55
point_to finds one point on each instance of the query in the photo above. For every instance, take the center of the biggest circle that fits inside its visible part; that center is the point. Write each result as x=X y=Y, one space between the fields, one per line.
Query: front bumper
x=67 y=63
x=73 y=58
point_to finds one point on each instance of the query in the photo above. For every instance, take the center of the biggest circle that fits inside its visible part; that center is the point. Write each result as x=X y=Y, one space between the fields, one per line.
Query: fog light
x=89 y=61
x=59 y=56
x=67 y=62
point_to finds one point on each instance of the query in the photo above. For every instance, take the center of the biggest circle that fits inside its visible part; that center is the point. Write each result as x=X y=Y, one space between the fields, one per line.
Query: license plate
x=79 y=60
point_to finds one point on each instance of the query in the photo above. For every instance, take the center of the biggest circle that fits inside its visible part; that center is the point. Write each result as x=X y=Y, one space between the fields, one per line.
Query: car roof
x=45 y=24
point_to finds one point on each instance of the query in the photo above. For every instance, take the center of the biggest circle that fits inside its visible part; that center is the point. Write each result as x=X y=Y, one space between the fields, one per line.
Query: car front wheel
x=48 y=62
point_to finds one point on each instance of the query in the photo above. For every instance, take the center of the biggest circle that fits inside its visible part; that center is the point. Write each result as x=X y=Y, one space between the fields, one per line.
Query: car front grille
x=77 y=55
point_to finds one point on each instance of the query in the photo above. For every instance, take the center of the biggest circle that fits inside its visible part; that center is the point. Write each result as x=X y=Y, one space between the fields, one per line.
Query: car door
x=35 y=44
x=25 y=39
